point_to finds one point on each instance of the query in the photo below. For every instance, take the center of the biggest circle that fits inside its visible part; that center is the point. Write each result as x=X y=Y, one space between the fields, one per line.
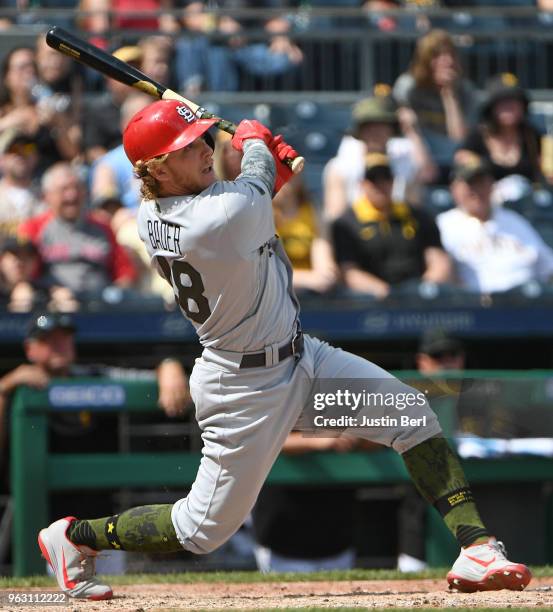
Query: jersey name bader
x=164 y=236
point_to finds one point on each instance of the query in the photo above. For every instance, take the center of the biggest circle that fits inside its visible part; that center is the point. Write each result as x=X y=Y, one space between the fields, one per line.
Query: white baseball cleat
x=484 y=567
x=73 y=564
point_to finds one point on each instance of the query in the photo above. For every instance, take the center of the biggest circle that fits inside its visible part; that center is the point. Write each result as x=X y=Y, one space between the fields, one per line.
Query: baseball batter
x=215 y=243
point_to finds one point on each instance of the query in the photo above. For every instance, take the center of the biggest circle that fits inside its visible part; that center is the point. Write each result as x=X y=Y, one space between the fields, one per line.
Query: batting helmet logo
x=158 y=129
x=186 y=113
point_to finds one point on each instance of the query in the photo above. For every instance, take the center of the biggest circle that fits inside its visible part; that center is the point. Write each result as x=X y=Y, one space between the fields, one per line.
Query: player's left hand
x=282 y=150
x=174 y=393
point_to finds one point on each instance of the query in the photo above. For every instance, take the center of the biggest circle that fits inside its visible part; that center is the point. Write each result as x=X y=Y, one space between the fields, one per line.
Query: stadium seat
x=313 y=178
x=544 y=226
x=308 y=114
x=316 y=145
x=437 y=199
x=237 y=112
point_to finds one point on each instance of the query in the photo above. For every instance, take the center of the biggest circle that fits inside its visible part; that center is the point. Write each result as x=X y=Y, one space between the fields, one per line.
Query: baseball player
x=214 y=242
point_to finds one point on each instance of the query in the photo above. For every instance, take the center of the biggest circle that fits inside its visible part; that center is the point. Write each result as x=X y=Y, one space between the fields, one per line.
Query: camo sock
x=143 y=529
x=440 y=479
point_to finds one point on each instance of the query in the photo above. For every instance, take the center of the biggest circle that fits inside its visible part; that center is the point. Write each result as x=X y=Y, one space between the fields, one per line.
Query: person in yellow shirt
x=304 y=239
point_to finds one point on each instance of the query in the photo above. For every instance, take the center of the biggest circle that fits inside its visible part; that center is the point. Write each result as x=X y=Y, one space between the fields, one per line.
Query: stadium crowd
x=423 y=189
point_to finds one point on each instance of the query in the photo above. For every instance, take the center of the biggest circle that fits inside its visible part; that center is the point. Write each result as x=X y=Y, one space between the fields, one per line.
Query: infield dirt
x=430 y=593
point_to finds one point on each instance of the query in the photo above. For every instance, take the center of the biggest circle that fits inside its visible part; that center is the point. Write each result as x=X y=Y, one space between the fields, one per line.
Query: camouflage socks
x=143 y=529
x=433 y=467
x=440 y=479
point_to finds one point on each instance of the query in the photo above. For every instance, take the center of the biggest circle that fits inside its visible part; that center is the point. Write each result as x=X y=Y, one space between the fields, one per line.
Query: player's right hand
x=250 y=128
x=282 y=150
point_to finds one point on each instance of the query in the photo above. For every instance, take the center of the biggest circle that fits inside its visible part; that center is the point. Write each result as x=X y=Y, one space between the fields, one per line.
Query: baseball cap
x=13 y=244
x=437 y=340
x=470 y=167
x=503 y=86
x=377 y=166
x=43 y=323
x=13 y=136
x=379 y=108
x=131 y=54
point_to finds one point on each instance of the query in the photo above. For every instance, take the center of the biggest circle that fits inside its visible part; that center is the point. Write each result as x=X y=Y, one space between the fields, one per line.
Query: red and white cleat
x=484 y=567
x=73 y=565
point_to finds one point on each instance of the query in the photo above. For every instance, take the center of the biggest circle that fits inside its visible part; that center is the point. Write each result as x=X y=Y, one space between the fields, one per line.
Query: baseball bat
x=89 y=55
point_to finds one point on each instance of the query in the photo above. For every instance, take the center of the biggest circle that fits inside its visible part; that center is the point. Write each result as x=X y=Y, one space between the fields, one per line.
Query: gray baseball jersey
x=218 y=250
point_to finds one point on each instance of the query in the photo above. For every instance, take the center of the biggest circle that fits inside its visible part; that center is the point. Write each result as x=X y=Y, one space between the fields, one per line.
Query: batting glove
x=250 y=128
x=282 y=150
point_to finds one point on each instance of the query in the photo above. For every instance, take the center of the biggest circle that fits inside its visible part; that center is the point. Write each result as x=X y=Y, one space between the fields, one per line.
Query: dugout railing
x=35 y=472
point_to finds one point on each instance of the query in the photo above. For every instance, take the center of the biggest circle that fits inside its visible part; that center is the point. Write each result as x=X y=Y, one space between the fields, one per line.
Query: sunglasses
x=377 y=175
x=22 y=149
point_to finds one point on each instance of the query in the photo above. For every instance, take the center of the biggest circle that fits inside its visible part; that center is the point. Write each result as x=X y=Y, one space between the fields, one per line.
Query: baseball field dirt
x=291 y=595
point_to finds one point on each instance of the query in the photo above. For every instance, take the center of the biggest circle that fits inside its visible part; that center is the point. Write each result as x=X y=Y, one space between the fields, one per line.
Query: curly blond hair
x=149 y=189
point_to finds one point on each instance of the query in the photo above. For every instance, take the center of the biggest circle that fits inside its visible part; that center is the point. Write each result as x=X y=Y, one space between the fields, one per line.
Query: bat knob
x=297 y=164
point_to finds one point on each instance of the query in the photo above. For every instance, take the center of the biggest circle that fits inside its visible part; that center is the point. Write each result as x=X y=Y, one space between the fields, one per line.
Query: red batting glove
x=282 y=150
x=250 y=128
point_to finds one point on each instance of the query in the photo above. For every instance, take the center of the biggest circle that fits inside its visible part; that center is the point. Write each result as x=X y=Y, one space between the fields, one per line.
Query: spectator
x=19 y=261
x=157 y=57
x=305 y=244
x=100 y=16
x=493 y=249
x=222 y=66
x=60 y=84
x=50 y=349
x=375 y=129
x=388 y=16
x=77 y=252
x=18 y=195
x=29 y=12
x=19 y=109
x=57 y=72
x=439 y=352
x=101 y=115
x=112 y=174
x=505 y=139
x=380 y=243
x=442 y=100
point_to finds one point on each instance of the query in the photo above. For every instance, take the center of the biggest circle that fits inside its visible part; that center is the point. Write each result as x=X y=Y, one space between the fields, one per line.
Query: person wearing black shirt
x=505 y=138
x=380 y=243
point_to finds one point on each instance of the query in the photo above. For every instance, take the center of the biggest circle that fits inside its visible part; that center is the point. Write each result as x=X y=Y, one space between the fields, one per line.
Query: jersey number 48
x=189 y=288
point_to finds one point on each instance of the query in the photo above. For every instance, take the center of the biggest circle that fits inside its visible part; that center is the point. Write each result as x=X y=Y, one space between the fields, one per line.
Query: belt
x=260 y=360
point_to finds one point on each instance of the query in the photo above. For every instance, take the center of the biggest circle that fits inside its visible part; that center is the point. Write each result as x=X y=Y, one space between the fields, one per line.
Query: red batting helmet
x=162 y=127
